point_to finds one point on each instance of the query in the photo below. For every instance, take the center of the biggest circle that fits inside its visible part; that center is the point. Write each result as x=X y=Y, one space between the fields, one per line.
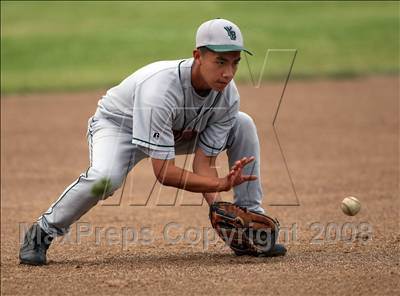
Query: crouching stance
x=165 y=109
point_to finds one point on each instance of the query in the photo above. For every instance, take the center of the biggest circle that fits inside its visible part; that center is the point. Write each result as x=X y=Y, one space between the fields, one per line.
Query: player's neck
x=199 y=84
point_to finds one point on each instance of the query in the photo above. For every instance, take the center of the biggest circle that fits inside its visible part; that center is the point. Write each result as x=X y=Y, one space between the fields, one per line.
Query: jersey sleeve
x=153 y=113
x=212 y=140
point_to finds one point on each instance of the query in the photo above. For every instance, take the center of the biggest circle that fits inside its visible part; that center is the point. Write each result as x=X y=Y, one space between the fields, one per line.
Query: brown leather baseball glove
x=245 y=232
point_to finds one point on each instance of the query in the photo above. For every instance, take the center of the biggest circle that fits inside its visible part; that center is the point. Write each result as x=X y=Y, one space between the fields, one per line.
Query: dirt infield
x=340 y=138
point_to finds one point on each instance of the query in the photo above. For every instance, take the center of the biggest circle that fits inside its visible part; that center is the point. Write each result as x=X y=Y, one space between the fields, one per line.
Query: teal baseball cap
x=220 y=35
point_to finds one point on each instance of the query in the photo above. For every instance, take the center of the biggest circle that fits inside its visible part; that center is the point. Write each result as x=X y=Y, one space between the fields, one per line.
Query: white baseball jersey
x=160 y=105
x=151 y=113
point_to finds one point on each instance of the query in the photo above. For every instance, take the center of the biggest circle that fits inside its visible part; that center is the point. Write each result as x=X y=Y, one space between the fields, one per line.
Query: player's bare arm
x=204 y=165
x=167 y=173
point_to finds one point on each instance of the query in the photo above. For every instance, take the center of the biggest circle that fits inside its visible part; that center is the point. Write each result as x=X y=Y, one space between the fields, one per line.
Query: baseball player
x=164 y=109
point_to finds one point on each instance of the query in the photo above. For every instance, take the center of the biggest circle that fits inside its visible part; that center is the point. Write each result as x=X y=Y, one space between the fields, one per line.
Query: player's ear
x=196 y=54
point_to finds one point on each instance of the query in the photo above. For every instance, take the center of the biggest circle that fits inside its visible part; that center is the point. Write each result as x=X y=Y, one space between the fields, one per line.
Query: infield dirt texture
x=339 y=134
x=340 y=138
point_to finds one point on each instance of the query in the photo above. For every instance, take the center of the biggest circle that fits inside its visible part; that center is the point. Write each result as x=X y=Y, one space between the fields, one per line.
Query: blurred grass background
x=47 y=46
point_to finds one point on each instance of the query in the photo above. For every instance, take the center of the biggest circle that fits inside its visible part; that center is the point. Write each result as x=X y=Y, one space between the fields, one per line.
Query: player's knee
x=245 y=122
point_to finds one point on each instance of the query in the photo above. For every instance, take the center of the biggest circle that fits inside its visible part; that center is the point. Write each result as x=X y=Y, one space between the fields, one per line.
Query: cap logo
x=231 y=33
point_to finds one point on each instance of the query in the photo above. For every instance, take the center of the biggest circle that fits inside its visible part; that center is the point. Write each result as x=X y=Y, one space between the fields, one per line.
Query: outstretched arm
x=167 y=173
x=205 y=166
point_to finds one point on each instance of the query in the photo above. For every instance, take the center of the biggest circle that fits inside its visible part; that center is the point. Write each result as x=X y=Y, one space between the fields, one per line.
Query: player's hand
x=235 y=176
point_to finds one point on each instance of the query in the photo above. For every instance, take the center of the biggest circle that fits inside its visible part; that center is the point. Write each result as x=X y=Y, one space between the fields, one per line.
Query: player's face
x=219 y=68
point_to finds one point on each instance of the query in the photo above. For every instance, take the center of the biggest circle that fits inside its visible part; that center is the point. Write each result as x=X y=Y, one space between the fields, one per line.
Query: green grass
x=80 y=45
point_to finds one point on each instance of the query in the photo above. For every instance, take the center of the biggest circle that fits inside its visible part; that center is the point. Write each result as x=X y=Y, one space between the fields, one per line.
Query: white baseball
x=350 y=205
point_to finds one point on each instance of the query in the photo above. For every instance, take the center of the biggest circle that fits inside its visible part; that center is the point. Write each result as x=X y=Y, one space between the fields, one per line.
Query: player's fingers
x=232 y=179
x=249 y=177
x=237 y=165
x=248 y=160
x=240 y=163
x=233 y=174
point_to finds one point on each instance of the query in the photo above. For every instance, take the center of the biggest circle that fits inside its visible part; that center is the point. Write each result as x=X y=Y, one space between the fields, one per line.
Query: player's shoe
x=34 y=249
x=277 y=250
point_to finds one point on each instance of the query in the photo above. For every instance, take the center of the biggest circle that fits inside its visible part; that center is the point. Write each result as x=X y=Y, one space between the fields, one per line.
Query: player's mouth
x=222 y=84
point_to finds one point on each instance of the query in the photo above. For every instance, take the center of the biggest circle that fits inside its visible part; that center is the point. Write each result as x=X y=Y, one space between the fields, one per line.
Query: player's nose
x=228 y=73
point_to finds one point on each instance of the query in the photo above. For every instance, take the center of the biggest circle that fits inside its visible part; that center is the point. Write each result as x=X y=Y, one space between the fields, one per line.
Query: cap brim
x=226 y=48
